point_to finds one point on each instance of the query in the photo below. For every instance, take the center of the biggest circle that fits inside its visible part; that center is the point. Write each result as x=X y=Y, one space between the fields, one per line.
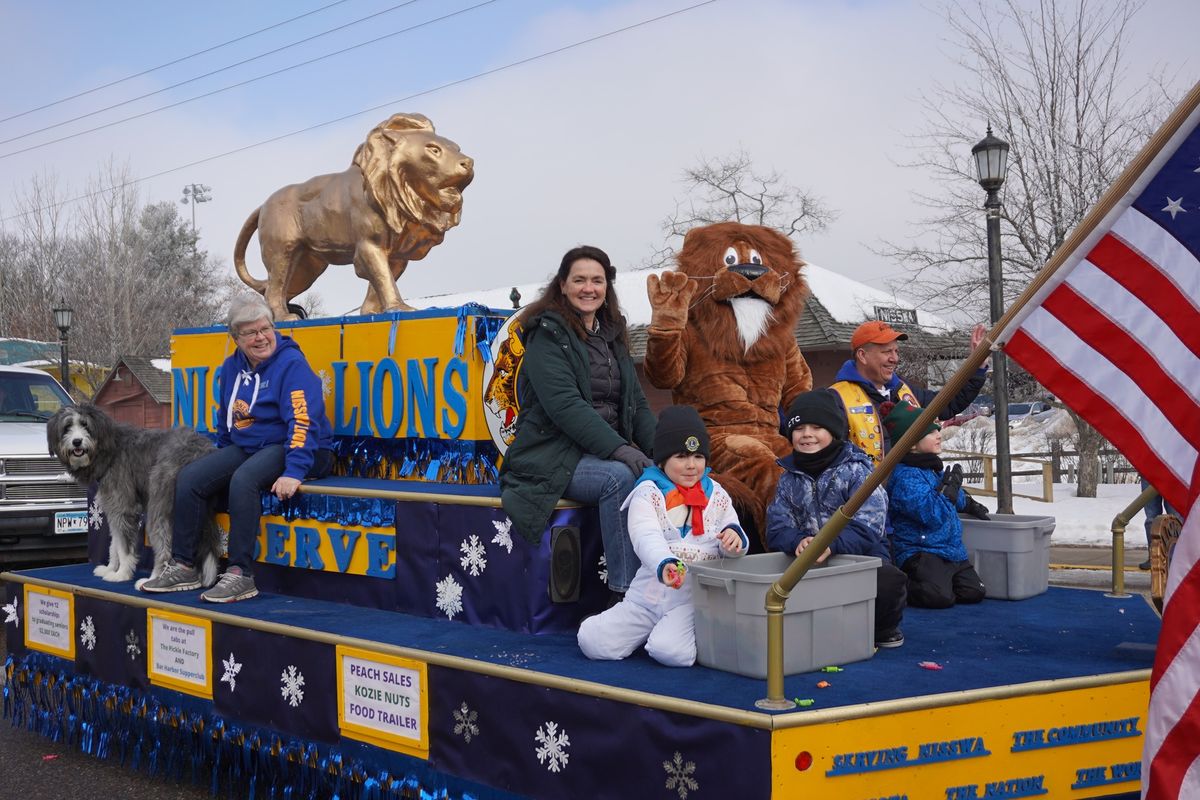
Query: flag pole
x=779 y=591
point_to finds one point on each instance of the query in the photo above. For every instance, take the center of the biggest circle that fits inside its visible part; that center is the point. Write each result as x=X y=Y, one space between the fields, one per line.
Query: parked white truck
x=43 y=512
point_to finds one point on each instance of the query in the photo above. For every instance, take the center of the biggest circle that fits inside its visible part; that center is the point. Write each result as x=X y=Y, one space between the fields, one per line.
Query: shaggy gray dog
x=135 y=469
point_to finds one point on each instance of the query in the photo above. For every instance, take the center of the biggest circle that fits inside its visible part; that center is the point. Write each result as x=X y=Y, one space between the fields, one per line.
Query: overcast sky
x=582 y=146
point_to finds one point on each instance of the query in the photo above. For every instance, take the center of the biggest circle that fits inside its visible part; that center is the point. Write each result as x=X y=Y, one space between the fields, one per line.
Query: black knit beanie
x=819 y=407
x=680 y=430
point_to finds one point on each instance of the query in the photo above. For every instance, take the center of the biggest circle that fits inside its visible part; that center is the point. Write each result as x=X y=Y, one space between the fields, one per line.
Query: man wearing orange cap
x=869 y=378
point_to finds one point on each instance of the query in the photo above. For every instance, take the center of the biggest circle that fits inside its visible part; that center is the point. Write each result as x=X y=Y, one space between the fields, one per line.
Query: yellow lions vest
x=865 y=427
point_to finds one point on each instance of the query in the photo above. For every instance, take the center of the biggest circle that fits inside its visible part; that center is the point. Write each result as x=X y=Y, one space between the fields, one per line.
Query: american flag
x=1112 y=328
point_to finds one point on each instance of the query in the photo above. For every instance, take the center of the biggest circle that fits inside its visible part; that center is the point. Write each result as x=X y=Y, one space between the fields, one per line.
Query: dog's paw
x=101 y=570
x=119 y=575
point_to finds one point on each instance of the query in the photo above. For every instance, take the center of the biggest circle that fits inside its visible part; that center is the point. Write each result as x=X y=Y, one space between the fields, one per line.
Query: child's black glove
x=974 y=508
x=952 y=478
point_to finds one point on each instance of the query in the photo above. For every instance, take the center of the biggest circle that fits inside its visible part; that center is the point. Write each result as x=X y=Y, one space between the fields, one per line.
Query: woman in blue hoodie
x=272 y=433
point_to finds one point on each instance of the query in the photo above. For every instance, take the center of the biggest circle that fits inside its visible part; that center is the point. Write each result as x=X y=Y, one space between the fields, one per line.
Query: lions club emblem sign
x=500 y=402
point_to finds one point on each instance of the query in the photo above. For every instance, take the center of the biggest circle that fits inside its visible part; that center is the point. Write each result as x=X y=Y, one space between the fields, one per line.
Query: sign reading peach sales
x=382 y=698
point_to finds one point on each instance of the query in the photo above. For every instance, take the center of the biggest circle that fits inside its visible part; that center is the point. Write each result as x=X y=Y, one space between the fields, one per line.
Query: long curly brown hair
x=552 y=297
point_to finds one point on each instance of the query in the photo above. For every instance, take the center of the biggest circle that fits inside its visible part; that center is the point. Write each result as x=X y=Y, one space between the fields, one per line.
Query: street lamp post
x=62 y=318
x=195 y=193
x=991 y=162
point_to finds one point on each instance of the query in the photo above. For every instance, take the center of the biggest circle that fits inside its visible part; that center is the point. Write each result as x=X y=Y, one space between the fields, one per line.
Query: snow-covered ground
x=1083 y=520
x=1078 y=520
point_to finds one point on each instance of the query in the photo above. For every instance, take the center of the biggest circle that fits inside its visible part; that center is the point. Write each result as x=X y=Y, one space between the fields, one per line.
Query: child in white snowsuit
x=677 y=515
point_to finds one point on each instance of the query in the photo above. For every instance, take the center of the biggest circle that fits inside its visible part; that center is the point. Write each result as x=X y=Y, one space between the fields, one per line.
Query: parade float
x=408 y=644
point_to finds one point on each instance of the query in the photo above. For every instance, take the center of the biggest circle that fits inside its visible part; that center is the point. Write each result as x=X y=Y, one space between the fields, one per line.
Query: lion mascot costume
x=401 y=194
x=721 y=339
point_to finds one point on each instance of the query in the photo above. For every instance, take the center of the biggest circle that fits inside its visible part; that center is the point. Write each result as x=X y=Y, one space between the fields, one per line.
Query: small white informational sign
x=179 y=655
x=50 y=621
x=382 y=700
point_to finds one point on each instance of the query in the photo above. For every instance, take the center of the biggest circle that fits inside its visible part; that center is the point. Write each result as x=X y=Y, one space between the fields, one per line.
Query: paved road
x=34 y=768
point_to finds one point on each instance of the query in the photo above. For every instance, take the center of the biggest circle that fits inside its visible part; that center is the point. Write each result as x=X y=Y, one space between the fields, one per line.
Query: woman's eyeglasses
x=255 y=333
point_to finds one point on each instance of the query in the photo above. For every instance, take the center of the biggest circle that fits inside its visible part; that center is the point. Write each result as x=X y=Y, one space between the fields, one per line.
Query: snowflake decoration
x=679 y=776
x=474 y=558
x=603 y=567
x=464 y=722
x=95 y=516
x=503 y=535
x=132 y=644
x=87 y=633
x=232 y=668
x=290 y=682
x=449 y=596
x=10 y=613
x=553 y=746
x=326 y=382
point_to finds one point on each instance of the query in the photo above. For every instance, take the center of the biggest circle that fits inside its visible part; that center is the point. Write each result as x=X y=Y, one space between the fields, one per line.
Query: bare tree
x=33 y=259
x=1049 y=76
x=728 y=189
x=131 y=272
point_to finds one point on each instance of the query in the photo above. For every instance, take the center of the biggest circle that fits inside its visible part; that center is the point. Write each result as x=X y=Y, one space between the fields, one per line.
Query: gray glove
x=631 y=457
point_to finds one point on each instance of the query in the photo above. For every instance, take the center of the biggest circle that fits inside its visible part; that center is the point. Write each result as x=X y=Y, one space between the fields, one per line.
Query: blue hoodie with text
x=278 y=402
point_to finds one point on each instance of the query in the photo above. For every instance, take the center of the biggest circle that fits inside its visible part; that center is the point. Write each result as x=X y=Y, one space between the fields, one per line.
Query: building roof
x=153 y=373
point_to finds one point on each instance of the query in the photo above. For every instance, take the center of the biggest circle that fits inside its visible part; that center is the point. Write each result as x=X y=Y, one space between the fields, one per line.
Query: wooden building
x=137 y=391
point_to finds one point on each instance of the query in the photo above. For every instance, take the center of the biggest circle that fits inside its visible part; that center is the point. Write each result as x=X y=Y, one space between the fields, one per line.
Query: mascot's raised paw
x=670 y=295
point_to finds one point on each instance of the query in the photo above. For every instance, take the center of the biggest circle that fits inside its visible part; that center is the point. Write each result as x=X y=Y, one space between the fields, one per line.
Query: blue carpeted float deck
x=1063 y=633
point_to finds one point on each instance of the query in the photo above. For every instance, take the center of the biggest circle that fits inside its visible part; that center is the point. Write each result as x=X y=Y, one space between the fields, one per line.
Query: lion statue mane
x=721 y=339
x=401 y=194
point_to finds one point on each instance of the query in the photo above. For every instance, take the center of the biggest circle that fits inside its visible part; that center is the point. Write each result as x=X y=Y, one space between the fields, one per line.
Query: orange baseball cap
x=875 y=332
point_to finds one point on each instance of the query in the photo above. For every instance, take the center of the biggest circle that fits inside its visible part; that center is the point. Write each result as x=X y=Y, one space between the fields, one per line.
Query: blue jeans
x=607 y=484
x=1153 y=509
x=241 y=477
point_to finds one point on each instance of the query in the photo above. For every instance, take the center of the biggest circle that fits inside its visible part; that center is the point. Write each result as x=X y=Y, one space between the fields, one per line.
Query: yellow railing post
x=1047 y=482
x=1118 y=536
x=987 y=474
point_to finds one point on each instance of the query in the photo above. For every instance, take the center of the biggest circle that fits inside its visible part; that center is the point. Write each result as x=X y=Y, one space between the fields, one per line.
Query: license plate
x=71 y=522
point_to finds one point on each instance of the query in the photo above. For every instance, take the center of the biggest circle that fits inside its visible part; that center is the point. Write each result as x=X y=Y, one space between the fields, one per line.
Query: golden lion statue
x=401 y=194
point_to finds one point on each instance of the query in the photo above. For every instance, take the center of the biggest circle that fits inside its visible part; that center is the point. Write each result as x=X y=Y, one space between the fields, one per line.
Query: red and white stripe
x=1117 y=338
x=1171 y=754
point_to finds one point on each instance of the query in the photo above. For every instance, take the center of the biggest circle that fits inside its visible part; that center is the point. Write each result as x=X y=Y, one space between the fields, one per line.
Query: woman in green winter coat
x=584 y=429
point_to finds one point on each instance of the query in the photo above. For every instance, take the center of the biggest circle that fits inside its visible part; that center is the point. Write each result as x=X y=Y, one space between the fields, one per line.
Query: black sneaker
x=892 y=639
x=1144 y=565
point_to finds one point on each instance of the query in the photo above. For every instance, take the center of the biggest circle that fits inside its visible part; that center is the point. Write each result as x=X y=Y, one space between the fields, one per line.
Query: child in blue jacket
x=819 y=477
x=923 y=506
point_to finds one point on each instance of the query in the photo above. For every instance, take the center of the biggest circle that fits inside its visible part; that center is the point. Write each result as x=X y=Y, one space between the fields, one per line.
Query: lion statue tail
x=239 y=254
